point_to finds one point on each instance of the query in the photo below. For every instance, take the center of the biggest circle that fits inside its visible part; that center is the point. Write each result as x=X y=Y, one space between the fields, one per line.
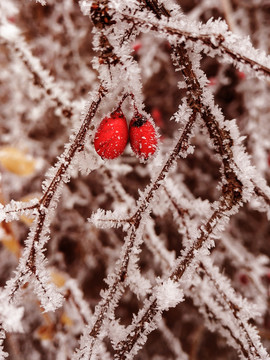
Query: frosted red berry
x=142 y=136
x=112 y=136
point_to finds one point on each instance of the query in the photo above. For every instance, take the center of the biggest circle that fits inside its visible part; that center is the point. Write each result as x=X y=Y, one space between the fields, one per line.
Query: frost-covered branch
x=31 y=261
x=224 y=44
x=10 y=37
x=154 y=212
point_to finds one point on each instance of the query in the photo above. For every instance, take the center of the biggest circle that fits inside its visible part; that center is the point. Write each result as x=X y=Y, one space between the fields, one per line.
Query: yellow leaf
x=9 y=240
x=16 y=161
x=27 y=220
x=45 y=332
x=11 y=244
x=66 y=320
x=7 y=237
x=58 y=279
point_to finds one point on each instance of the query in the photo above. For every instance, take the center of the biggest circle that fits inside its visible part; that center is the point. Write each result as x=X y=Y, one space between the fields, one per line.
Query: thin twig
x=213 y=41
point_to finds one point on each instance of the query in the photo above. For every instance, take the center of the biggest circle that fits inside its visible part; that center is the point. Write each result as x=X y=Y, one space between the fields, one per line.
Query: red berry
x=112 y=135
x=136 y=46
x=241 y=75
x=143 y=136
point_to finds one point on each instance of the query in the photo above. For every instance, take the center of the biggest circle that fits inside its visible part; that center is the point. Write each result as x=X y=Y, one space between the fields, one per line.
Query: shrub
x=140 y=255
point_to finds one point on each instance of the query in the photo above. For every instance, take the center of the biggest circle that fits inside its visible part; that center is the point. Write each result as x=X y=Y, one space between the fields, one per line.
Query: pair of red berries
x=112 y=136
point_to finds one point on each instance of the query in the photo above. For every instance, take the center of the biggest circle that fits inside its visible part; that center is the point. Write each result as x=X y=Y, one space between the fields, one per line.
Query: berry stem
x=136 y=111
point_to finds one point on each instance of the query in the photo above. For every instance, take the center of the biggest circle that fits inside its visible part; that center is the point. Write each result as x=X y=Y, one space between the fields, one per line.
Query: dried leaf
x=58 y=279
x=45 y=332
x=11 y=244
x=66 y=320
x=17 y=161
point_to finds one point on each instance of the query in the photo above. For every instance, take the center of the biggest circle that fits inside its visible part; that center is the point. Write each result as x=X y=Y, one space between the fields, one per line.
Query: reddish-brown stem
x=46 y=199
x=136 y=222
x=212 y=41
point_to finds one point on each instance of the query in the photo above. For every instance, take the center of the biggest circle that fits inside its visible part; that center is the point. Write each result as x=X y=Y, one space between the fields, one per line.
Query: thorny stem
x=260 y=193
x=181 y=212
x=232 y=190
x=195 y=101
x=221 y=137
x=46 y=199
x=245 y=353
x=124 y=347
x=72 y=298
x=75 y=146
x=165 y=263
x=213 y=41
x=22 y=209
x=135 y=222
x=66 y=110
x=225 y=300
x=181 y=146
x=234 y=309
x=231 y=198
